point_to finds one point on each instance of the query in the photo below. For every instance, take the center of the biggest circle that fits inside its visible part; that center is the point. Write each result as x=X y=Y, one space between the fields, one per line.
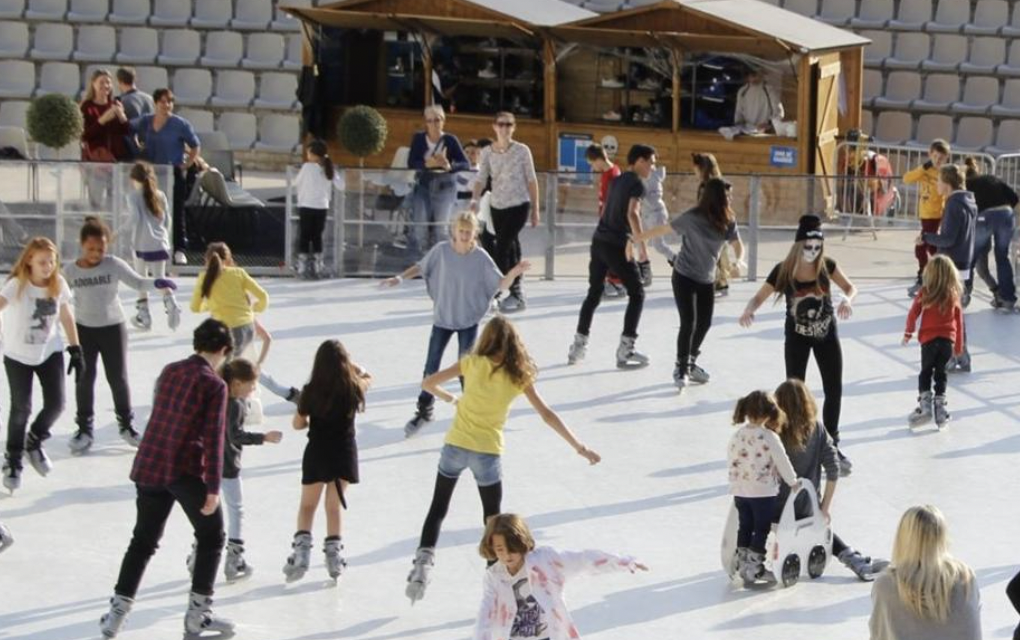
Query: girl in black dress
x=335 y=392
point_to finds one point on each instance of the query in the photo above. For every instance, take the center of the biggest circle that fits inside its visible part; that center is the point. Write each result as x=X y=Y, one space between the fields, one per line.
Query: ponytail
x=973 y=168
x=759 y=407
x=319 y=148
x=142 y=173
x=217 y=256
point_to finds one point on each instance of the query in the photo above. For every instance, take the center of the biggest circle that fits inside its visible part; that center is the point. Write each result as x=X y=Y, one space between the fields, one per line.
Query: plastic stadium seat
x=911 y=50
x=872 y=86
x=294 y=48
x=240 y=129
x=284 y=21
x=13 y=113
x=979 y=94
x=223 y=49
x=213 y=141
x=15 y=137
x=1012 y=30
x=59 y=77
x=129 y=12
x=880 y=47
x=96 y=44
x=929 y=127
x=602 y=6
x=985 y=55
x=52 y=42
x=71 y=152
x=867 y=122
x=192 y=86
x=12 y=8
x=893 y=127
x=278 y=133
x=88 y=10
x=1007 y=138
x=252 y=15
x=277 y=91
x=13 y=40
x=200 y=119
x=836 y=12
x=212 y=14
x=46 y=10
x=950 y=17
x=265 y=51
x=234 y=89
x=181 y=47
x=940 y=90
x=149 y=79
x=912 y=16
x=1010 y=105
x=904 y=88
x=947 y=53
x=873 y=14
x=138 y=45
x=17 y=79
x=974 y=134
x=989 y=17
x=171 y=13
x=803 y=7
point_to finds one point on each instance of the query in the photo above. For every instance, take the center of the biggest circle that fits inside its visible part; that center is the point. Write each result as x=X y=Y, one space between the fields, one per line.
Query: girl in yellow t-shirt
x=495 y=373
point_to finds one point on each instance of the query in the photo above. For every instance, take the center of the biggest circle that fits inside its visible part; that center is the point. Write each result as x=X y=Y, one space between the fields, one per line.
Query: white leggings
x=233 y=501
x=148 y=269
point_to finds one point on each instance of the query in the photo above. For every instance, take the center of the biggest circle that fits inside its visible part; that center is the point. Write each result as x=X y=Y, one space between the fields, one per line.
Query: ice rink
x=660 y=492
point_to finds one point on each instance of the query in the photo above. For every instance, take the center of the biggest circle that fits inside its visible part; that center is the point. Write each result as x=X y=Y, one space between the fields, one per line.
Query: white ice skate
x=6 y=539
x=80 y=442
x=235 y=567
x=335 y=562
x=200 y=619
x=300 y=557
x=420 y=576
x=627 y=357
x=173 y=312
x=112 y=621
x=578 y=349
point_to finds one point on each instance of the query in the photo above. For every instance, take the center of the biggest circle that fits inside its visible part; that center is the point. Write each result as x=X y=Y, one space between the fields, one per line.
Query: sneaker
x=857 y=563
x=297 y=562
x=173 y=312
x=922 y=413
x=914 y=288
x=235 y=567
x=645 y=272
x=512 y=303
x=6 y=539
x=420 y=576
x=1003 y=306
x=680 y=377
x=112 y=621
x=37 y=456
x=942 y=415
x=422 y=415
x=180 y=258
x=335 y=562
x=80 y=442
x=965 y=299
x=578 y=350
x=649 y=84
x=846 y=467
x=612 y=116
x=627 y=357
x=488 y=72
x=611 y=83
x=11 y=470
x=200 y=617
x=129 y=435
x=697 y=374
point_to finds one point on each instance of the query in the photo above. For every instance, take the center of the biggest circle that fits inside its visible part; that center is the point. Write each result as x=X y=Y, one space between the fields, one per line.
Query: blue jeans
x=431 y=203
x=485 y=467
x=437 y=346
x=996 y=225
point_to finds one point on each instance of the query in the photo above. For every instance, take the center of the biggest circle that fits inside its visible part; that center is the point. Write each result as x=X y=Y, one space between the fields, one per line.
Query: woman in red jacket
x=102 y=140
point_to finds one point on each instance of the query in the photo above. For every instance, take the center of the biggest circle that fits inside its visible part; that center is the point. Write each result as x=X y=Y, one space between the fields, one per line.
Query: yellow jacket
x=927 y=177
x=229 y=300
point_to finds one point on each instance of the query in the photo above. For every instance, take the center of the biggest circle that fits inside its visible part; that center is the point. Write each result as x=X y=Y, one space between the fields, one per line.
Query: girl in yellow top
x=226 y=291
x=929 y=208
x=495 y=373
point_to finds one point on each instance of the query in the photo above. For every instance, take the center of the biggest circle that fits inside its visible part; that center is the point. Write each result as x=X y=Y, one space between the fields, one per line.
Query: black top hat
x=809 y=226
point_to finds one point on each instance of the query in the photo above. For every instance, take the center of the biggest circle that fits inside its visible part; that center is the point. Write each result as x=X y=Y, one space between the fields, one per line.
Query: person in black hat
x=805 y=279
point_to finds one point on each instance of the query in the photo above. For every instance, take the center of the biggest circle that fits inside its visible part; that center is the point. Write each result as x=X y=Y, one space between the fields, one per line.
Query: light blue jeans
x=431 y=204
x=233 y=502
x=486 y=467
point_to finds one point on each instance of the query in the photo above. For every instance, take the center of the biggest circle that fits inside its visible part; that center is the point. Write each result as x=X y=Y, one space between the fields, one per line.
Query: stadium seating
x=181 y=47
x=985 y=55
x=12 y=8
x=88 y=11
x=14 y=40
x=911 y=50
x=60 y=77
x=904 y=88
x=1007 y=140
x=989 y=17
x=96 y=43
x=873 y=14
x=950 y=17
x=240 y=128
x=278 y=132
x=973 y=134
x=979 y=94
x=200 y=119
x=940 y=91
x=1009 y=107
x=893 y=127
x=192 y=87
x=252 y=15
x=912 y=15
x=46 y=10
x=277 y=91
x=929 y=127
x=212 y=14
x=13 y=113
x=130 y=12
x=17 y=79
x=234 y=89
x=223 y=49
x=138 y=45
x=52 y=41
x=265 y=51
x=170 y=13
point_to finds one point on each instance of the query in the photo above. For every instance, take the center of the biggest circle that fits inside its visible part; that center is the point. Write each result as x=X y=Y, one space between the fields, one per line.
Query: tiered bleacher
x=233 y=65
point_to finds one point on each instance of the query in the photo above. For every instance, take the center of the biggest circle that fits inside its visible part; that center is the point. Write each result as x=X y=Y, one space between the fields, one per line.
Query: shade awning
x=443 y=26
x=689 y=42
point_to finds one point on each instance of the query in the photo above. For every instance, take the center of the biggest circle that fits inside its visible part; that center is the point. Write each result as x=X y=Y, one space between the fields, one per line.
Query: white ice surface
x=660 y=492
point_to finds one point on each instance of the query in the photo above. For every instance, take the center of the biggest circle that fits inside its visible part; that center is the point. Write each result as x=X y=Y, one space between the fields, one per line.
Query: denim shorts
x=486 y=467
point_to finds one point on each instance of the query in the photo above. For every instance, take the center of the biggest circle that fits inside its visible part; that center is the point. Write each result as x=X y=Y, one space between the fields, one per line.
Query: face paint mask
x=812 y=251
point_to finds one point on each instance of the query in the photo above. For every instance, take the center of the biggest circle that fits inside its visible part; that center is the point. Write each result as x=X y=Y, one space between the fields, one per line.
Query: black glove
x=928 y=165
x=76 y=362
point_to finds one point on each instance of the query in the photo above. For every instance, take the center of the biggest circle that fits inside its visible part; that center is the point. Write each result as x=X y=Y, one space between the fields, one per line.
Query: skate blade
x=624 y=366
x=209 y=635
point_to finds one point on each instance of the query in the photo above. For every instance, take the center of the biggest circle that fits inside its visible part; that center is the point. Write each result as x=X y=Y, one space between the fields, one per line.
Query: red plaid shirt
x=185 y=431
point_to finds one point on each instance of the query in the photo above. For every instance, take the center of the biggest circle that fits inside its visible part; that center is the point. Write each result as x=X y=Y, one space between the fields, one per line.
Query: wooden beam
x=806 y=116
x=678 y=63
x=549 y=99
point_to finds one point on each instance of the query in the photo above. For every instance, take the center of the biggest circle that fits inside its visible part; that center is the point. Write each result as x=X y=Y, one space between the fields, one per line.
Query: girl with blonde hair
x=494 y=374
x=927 y=593
x=103 y=138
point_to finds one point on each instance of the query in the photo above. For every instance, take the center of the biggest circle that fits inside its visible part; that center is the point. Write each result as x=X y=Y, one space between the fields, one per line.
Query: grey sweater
x=891 y=620
x=146 y=232
x=818 y=453
x=95 y=290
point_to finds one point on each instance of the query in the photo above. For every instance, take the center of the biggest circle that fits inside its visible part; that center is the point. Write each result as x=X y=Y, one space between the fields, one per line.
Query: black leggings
x=491 y=495
x=935 y=355
x=178 y=217
x=695 y=302
x=508 y=224
x=606 y=257
x=110 y=343
x=19 y=377
x=1013 y=593
x=829 y=357
x=311 y=224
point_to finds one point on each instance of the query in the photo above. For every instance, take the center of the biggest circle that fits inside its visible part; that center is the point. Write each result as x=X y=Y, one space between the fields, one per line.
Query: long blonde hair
x=788 y=269
x=90 y=89
x=940 y=284
x=925 y=572
x=502 y=344
x=22 y=269
x=796 y=401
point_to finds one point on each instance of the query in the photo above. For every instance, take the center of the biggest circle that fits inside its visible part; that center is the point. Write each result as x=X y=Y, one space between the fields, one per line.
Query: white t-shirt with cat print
x=31 y=321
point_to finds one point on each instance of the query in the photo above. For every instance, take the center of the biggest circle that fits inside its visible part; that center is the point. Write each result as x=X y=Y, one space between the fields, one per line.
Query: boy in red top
x=941 y=336
x=180 y=459
x=608 y=171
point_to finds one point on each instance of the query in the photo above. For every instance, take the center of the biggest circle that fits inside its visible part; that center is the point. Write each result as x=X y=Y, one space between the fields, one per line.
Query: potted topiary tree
x=362 y=131
x=54 y=120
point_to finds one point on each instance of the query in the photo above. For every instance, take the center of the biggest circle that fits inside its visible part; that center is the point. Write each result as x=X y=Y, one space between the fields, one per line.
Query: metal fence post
x=118 y=202
x=339 y=233
x=58 y=233
x=754 y=225
x=551 y=203
x=288 y=212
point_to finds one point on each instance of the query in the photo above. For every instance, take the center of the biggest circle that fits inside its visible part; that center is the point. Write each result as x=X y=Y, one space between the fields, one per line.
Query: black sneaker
x=422 y=415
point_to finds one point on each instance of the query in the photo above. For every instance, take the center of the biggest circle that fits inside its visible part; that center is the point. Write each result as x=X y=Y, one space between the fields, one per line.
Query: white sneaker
x=180 y=258
x=612 y=116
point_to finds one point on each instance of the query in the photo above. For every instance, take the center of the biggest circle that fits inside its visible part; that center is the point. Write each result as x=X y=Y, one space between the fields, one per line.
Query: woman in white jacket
x=523 y=595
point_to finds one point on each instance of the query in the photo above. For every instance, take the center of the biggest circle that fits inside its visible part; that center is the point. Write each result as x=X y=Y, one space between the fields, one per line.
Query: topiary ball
x=54 y=120
x=362 y=131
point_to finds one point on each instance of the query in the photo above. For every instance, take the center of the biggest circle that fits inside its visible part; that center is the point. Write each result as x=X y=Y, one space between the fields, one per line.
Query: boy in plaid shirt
x=180 y=459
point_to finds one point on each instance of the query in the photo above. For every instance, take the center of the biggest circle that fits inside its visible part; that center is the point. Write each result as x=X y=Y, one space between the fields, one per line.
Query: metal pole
x=288 y=213
x=339 y=233
x=754 y=224
x=551 y=202
x=58 y=234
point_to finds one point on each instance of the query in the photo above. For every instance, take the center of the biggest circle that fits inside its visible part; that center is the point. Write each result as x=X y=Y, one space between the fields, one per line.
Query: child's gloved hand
x=166 y=283
x=76 y=362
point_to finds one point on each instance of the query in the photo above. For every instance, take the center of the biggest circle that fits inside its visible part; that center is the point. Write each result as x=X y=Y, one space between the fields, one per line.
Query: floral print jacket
x=757 y=459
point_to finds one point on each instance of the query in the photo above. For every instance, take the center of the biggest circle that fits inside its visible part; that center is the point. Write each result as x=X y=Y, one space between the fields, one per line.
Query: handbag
x=96 y=154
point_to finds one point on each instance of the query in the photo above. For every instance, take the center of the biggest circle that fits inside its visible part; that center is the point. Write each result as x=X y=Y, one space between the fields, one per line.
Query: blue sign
x=783 y=156
x=572 y=147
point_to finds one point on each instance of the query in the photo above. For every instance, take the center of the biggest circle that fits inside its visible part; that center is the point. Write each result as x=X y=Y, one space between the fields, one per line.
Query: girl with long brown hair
x=147 y=226
x=495 y=373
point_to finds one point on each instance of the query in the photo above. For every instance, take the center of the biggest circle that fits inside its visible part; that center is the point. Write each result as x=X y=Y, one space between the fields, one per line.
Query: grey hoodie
x=955 y=237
